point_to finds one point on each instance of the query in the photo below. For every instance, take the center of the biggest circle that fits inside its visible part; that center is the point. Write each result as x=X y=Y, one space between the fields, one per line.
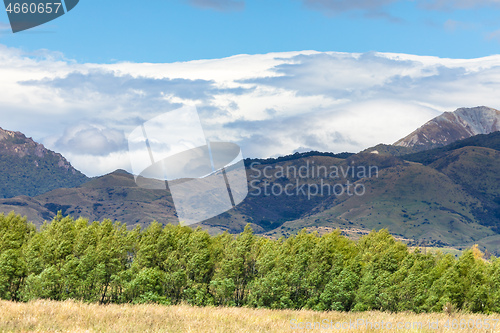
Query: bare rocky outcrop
x=453 y=126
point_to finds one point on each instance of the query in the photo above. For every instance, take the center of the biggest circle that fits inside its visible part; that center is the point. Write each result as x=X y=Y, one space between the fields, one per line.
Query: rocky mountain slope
x=452 y=126
x=28 y=168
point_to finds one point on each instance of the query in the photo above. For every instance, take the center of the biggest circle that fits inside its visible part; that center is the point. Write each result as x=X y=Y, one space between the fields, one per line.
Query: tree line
x=104 y=262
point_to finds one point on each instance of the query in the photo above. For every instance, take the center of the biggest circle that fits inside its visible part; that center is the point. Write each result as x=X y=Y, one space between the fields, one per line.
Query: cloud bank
x=270 y=104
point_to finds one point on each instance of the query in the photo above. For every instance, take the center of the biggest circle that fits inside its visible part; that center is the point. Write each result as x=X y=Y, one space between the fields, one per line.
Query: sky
x=180 y=30
x=274 y=77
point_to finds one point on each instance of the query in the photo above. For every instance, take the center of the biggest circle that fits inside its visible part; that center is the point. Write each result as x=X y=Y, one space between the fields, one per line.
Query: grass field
x=69 y=316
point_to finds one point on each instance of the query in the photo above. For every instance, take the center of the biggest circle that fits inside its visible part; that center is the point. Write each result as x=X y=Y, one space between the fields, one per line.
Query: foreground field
x=69 y=316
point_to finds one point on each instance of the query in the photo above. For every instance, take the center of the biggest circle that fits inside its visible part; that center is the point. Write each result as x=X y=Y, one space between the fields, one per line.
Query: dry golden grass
x=48 y=316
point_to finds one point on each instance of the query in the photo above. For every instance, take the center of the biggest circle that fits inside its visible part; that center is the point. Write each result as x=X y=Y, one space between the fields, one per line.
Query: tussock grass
x=71 y=316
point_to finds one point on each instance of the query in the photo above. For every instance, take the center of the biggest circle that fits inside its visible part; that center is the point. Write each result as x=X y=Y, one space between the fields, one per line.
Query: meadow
x=71 y=316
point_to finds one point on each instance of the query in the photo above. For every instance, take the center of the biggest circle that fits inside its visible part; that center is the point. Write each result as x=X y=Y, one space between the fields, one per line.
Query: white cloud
x=337 y=6
x=4 y=26
x=495 y=35
x=375 y=8
x=221 y=5
x=453 y=25
x=91 y=139
x=271 y=104
x=99 y=165
x=458 y=4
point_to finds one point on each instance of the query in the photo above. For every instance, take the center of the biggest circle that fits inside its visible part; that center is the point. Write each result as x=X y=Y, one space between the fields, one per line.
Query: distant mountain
x=452 y=126
x=28 y=168
x=447 y=196
x=426 y=157
x=450 y=196
x=115 y=196
x=453 y=201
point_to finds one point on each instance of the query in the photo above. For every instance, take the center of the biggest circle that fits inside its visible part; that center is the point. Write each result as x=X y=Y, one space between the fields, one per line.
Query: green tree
x=15 y=231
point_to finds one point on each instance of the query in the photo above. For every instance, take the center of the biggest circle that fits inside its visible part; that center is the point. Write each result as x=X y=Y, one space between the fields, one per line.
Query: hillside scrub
x=103 y=262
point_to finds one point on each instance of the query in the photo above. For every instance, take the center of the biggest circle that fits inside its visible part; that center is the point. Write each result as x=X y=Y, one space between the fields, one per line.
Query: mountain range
x=439 y=186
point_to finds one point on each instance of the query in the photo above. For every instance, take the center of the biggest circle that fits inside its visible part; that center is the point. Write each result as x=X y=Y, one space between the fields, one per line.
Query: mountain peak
x=479 y=120
x=17 y=144
x=28 y=168
x=449 y=127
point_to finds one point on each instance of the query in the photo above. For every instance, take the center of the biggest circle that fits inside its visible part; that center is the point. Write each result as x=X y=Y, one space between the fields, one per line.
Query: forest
x=104 y=262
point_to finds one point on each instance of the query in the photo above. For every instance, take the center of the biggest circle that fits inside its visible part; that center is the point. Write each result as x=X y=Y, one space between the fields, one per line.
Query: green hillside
x=452 y=198
x=412 y=201
x=28 y=168
x=384 y=149
x=491 y=141
x=114 y=196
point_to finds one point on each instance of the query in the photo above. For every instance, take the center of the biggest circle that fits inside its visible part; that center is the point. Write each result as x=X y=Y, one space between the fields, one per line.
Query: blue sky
x=274 y=76
x=181 y=30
